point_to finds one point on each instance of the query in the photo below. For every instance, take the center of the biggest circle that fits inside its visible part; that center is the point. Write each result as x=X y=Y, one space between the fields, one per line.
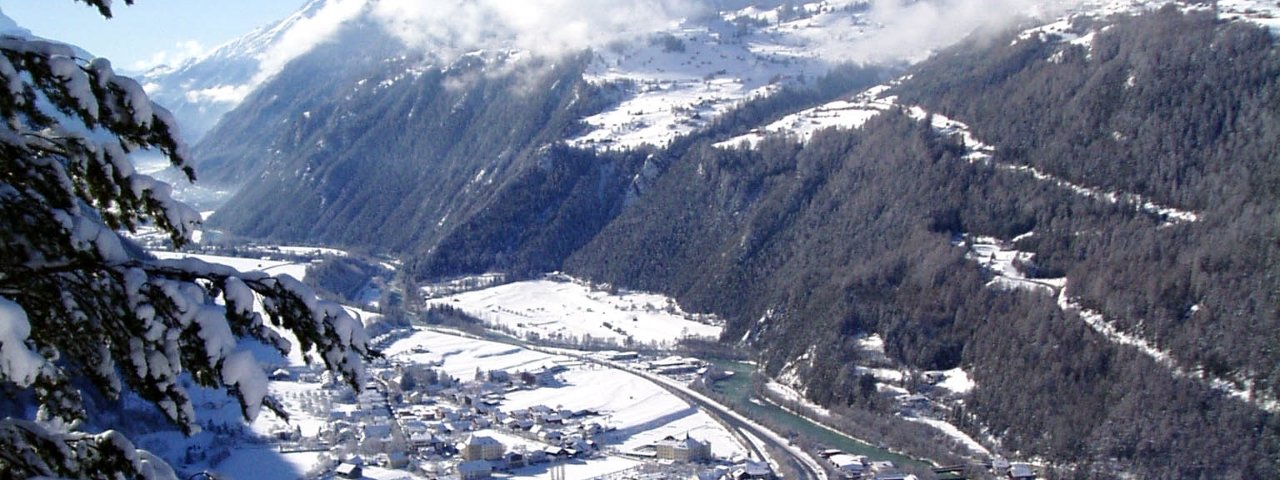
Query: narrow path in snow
x=979 y=152
x=995 y=256
x=1099 y=324
x=1007 y=274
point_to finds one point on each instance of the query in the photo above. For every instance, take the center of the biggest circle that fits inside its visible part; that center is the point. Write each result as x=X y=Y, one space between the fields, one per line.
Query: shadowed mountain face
x=386 y=151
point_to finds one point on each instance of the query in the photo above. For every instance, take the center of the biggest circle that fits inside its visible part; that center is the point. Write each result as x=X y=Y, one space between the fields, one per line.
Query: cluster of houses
x=671 y=365
x=482 y=455
x=858 y=467
x=414 y=417
x=748 y=470
x=1002 y=468
x=676 y=365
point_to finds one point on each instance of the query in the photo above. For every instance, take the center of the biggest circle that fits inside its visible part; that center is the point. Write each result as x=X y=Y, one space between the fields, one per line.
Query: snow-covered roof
x=688 y=443
x=481 y=440
x=473 y=466
x=843 y=460
x=346 y=468
x=1021 y=470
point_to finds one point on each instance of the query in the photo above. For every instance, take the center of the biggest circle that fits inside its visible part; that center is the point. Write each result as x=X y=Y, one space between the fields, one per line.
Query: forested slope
x=807 y=247
x=1181 y=109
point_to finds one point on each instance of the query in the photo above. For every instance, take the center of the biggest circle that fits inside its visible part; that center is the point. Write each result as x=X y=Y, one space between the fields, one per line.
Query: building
x=751 y=471
x=478 y=447
x=621 y=356
x=514 y=460
x=675 y=365
x=547 y=434
x=474 y=470
x=556 y=453
x=393 y=460
x=687 y=449
x=424 y=441
x=349 y=470
x=850 y=466
x=1021 y=471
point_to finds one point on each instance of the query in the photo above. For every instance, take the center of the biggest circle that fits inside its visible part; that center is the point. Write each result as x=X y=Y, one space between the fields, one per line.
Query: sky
x=150 y=32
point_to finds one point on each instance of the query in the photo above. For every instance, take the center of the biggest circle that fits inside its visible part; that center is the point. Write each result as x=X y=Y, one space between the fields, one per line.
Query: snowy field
x=997 y=257
x=569 y=310
x=1262 y=12
x=846 y=114
x=642 y=412
x=273 y=267
x=683 y=78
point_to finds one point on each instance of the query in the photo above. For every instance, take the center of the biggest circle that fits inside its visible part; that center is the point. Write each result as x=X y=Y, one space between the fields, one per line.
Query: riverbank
x=738 y=391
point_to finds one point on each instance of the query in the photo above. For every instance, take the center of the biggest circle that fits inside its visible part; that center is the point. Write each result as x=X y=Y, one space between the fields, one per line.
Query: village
x=413 y=419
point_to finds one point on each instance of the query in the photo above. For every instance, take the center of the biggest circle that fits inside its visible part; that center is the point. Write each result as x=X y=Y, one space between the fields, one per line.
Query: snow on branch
x=79 y=302
x=28 y=450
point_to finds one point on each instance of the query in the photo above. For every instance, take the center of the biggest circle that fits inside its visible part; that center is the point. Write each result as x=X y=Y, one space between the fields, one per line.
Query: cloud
x=180 y=52
x=228 y=94
x=913 y=28
x=546 y=27
x=450 y=28
x=316 y=23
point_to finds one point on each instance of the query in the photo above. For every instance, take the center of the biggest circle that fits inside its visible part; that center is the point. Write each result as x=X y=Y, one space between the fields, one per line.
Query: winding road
x=761 y=442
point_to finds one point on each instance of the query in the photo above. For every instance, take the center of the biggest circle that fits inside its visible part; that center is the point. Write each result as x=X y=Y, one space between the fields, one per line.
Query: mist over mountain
x=201 y=90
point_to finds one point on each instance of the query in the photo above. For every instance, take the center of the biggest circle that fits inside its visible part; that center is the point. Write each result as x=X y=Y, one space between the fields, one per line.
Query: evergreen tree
x=80 y=307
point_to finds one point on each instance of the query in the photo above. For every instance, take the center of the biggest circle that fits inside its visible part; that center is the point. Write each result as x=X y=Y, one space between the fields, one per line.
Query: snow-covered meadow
x=273 y=267
x=566 y=309
x=684 y=77
x=852 y=113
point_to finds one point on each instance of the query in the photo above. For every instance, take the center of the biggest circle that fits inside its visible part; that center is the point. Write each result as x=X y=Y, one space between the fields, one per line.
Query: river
x=737 y=389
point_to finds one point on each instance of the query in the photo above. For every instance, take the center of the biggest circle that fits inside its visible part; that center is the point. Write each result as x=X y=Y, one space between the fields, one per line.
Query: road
x=760 y=441
x=800 y=462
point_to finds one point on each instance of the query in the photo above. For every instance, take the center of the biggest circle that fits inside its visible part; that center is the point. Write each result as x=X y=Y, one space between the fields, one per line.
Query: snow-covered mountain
x=201 y=90
x=682 y=63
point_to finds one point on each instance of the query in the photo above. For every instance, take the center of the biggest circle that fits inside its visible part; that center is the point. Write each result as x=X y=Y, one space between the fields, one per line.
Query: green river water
x=738 y=390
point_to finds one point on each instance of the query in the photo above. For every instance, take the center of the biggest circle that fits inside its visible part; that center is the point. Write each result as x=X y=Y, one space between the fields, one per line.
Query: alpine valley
x=958 y=230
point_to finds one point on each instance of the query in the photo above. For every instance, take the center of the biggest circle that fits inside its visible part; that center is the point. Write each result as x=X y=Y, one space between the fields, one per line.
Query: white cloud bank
x=547 y=27
x=912 y=28
x=316 y=23
x=550 y=27
x=180 y=52
x=448 y=28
